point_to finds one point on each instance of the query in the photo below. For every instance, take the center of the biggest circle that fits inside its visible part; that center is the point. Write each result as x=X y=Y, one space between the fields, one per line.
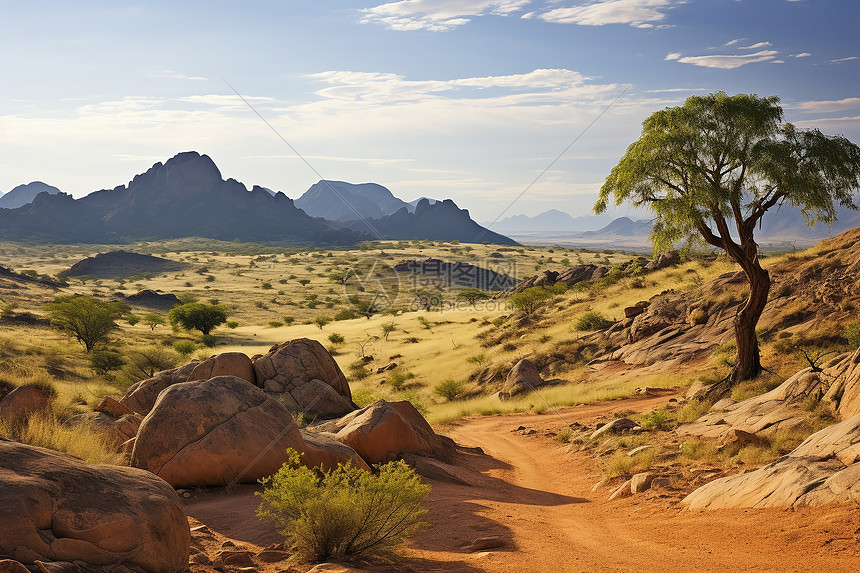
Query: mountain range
x=187 y=196
x=23 y=194
x=551 y=221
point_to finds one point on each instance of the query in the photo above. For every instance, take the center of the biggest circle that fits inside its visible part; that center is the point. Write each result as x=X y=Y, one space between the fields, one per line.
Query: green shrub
x=656 y=420
x=275 y=324
x=397 y=379
x=185 y=347
x=106 y=360
x=591 y=320
x=208 y=340
x=232 y=324
x=321 y=321
x=530 y=299
x=359 y=371
x=346 y=314
x=449 y=388
x=336 y=338
x=852 y=333
x=345 y=513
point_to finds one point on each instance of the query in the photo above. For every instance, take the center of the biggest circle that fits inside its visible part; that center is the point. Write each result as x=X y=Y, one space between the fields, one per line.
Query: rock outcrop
x=227 y=364
x=215 y=432
x=523 y=377
x=821 y=470
x=54 y=507
x=303 y=374
x=383 y=430
x=22 y=402
x=141 y=396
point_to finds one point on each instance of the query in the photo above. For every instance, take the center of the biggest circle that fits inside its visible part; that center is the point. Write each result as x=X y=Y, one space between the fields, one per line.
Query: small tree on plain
x=152 y=320
x=86 y=318
x=198 y=316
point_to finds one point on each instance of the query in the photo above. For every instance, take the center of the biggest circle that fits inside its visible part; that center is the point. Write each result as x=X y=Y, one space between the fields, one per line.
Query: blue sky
x=462 y=99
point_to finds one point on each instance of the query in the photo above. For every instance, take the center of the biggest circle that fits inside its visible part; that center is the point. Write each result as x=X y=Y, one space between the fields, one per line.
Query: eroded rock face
x=821 y=470
x=323 y=449
x=306 y=377
x=214 y=432
x=844 y=391
x=384 y=430
x=54 y=507
x=141 y=396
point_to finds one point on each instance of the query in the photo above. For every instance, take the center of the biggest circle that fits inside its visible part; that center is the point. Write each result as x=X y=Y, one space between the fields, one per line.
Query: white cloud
x=755 y=46
x=175 y=75
x=638 y=13
x=225 y=100
x=672 y=56
x=729 y=62
x=824 y=106
x=733 y=42
x=800 y=55
x=436 y=15
x=840 y=60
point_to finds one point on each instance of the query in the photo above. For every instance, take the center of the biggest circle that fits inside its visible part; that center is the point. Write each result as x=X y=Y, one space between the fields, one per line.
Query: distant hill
x=413 y=204
x=441 y=221
x=622 y=227
x=122 y=264
x=551 y=221
x=184 y=197
x=23 y=194
x=342 y=201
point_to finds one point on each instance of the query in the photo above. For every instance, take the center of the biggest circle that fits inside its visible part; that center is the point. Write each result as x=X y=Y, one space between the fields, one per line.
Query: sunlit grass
x=46 y=431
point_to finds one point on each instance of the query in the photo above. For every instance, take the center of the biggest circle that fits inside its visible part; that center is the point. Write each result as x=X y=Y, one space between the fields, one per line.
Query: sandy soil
x=537 y=497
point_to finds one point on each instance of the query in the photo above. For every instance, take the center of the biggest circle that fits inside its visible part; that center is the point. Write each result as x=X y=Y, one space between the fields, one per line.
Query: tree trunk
x=748 y=359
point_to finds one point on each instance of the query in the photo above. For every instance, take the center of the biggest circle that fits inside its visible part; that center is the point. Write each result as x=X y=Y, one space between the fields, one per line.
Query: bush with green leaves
x=591 y=320
x=530 y=299
x=104 y=361
x=852 y=333
x=185 y=347
x=336 y=338
x=345 y=513
x=449 y=388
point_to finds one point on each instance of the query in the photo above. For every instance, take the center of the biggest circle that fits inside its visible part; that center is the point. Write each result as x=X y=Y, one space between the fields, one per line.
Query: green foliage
x=472 y=295
x=104 y=361
x=656 y=420
x=530 y=299
x=198 y=316
x=152 y=320
x=144 y=362
x=397 y=379
x=388 y=328
x=449 y=388
x=86 y=318
x=321 y=321
x=346 y=314
x=358 y=371
x=852 y=333
x=185 y=347
x=275 y=324
x=336 y=338
x=231 y=324
x=288 y=320
x=344 y=513
x=591 y=320
x=208 y=340
x=341 y=276
x=131 y=319
x=477 y=359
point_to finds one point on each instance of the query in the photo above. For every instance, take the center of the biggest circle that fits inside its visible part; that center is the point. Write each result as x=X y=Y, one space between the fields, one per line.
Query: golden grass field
x=263 y=292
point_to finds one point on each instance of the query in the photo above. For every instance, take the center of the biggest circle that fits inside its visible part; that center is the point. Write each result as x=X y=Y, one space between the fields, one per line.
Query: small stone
x=484 y=543
x=272 y=555
x=622 y=491
x=520 y=429
x=616 y=426
x=661 y=482
x=641 y=482
x=186 y=494
x=639 y=450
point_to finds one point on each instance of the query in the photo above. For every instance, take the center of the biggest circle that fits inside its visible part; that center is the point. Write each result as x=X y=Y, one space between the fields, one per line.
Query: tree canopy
x=198 y=316
x=86 y=318
x=710 y=169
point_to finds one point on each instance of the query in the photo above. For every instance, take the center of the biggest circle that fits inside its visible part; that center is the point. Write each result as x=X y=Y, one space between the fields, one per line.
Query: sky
x=505 y=106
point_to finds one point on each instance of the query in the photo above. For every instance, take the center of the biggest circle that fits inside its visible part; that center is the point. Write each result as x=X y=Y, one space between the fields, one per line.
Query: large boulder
x=22 y=402
x=323 y=449
x=821 y=470
x=843 y=373
x=215 y=432
x=383 y=430
x=54 y=507
x=523 y=377
x=303 y=374
x=141 y=396
x=227 y=364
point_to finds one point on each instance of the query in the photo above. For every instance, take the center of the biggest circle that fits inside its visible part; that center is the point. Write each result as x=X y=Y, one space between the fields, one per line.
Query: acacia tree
x=710 y=169
x=86 y=318
x=198 y=316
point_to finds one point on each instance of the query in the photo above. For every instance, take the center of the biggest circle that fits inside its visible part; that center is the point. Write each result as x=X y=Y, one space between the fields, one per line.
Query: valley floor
x=537 y=497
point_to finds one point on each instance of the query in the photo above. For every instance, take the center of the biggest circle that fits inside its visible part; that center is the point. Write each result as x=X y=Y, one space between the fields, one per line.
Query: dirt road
x=538 y=497
x=535 y=495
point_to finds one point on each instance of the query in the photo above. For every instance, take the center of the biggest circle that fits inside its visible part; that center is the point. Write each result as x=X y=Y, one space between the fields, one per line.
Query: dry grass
x=47 y=431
